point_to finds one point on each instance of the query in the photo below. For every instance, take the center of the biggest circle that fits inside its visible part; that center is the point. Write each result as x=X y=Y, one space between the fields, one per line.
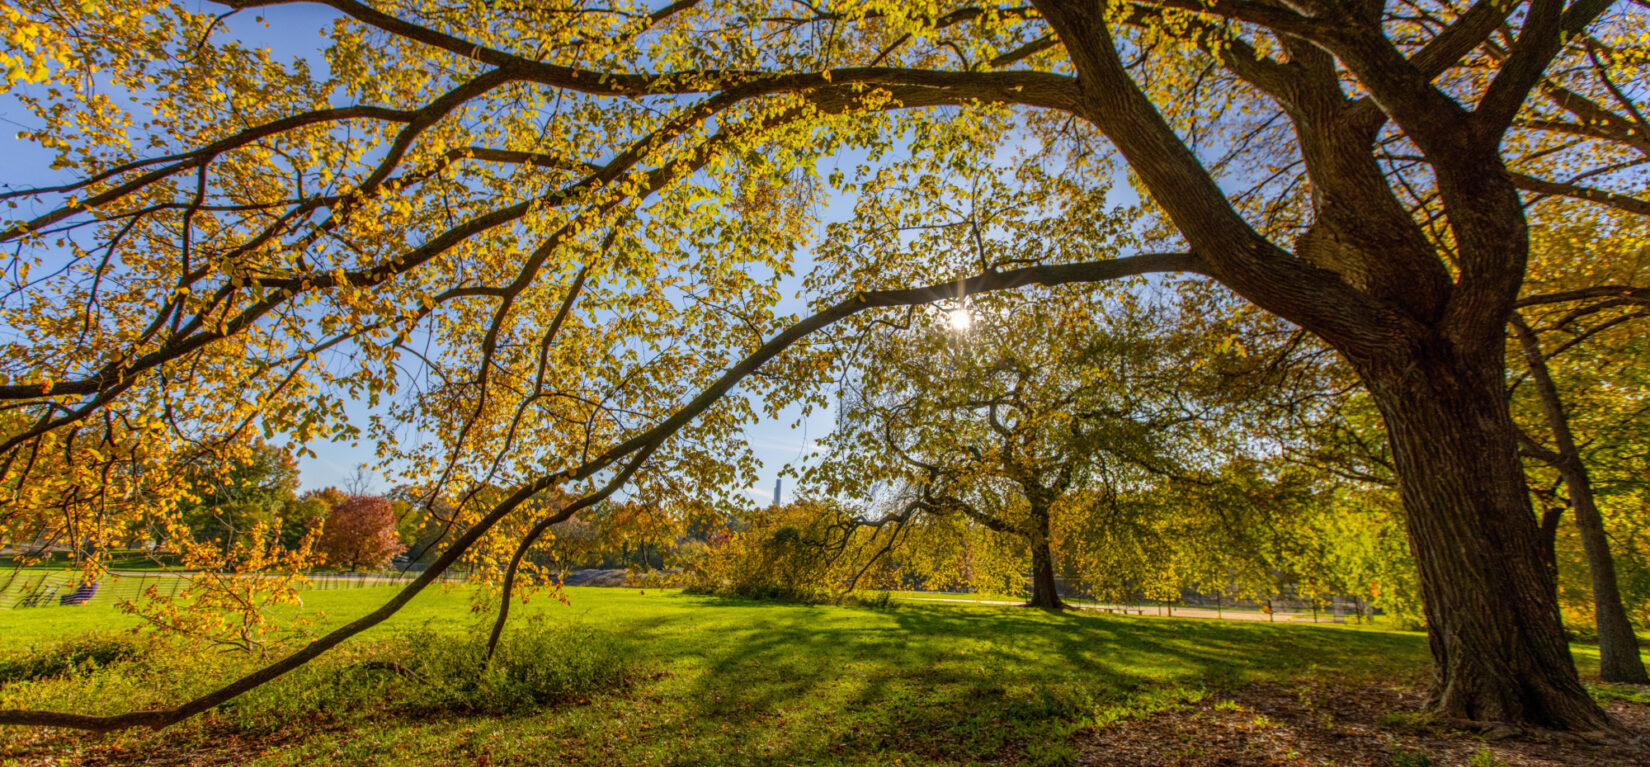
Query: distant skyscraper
x=776 y=484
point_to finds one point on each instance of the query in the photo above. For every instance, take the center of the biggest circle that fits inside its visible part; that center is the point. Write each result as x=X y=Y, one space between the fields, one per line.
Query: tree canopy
x=548 y=240
x=1008 y=408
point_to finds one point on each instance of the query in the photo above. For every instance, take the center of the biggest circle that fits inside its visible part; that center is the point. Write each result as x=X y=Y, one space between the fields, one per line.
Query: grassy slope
x=732 y=682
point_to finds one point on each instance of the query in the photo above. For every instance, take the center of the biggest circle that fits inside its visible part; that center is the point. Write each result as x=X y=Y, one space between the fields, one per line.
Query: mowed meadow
x=662 y=677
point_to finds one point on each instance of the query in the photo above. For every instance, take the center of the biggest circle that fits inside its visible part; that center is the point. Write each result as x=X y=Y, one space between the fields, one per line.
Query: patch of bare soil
x=1321 y=724
x=173 y=749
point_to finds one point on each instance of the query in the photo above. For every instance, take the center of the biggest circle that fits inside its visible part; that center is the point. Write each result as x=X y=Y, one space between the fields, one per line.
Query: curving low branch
x=633 y=452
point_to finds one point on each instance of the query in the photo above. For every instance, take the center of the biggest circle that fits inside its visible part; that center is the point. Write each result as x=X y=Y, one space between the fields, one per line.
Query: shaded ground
x=1262 y=724
x=732 y=682
x=1230 y=614
x=1326 y=724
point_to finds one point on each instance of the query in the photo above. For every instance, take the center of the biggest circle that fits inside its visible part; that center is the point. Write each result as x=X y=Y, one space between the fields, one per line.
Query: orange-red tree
x=359 y=533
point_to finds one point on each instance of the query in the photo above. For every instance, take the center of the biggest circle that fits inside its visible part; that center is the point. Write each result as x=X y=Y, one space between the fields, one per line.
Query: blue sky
x=295 y=31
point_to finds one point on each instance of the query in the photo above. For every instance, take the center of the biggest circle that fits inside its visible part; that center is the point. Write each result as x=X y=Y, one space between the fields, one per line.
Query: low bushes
x=71 y=657
x=539 y=663
x=762 y=592
x=785 y=554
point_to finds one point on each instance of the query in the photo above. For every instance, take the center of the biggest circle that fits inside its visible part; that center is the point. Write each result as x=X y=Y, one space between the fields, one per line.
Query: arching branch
x=632 y=451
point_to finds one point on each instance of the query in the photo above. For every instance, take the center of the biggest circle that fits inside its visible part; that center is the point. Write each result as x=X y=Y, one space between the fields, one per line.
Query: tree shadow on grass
x=750 y=682
x=946 y=682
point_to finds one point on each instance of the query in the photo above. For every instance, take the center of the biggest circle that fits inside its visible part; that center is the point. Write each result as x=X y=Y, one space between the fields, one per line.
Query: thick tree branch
x=1600 y=291
x=1621 y=202
x=1546 y=24
x=639 y=445
x=1239 y=256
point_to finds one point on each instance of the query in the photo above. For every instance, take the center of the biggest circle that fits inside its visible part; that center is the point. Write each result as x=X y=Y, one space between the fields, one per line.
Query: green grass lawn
x=719 y=681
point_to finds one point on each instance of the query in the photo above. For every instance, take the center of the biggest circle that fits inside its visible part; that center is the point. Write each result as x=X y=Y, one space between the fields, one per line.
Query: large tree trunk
x=1424 y=328
x=1618 y=646
x=1492 y=612
x=1043 y=592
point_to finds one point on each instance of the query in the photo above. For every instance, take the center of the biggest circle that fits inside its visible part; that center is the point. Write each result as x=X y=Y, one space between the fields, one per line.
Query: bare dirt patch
x=178 y=749
x=1270 y=724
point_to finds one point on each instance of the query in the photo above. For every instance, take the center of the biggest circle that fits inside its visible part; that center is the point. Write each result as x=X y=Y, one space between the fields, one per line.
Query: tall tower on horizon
x=776 y=487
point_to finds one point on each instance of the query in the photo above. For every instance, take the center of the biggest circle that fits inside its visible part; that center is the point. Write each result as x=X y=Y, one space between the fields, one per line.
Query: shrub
x=539 y=662
x=786 y=554
x=878 y=600
x=762 y=592
x=71 y=657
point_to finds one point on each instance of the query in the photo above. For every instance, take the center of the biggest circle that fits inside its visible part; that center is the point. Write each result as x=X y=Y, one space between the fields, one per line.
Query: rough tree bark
x=1044 y=594
x=1498 y=647
x=1618 y=646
